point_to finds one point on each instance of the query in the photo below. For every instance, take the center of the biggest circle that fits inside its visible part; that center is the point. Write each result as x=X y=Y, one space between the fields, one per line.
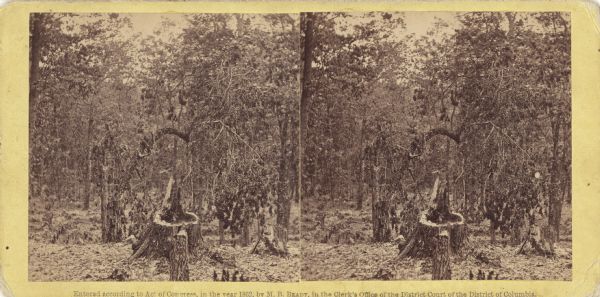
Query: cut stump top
x=187 y=218
x=453 y=219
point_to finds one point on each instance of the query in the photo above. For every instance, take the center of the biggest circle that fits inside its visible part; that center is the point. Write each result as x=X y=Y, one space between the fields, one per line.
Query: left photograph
x=164 y=147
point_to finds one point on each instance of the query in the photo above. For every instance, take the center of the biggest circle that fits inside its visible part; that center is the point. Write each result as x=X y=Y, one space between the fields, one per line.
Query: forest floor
x=361 y=259
x=71 y=251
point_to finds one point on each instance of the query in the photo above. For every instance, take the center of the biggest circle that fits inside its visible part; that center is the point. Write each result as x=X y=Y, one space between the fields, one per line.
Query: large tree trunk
x=492 y=232
x=361 y=173
x=382 y=230
x=115 y=228
x=361 y=186
x=308 y=19
x=245 y=237
x=293 y=181
x=307 y=56
x=221 y=231
x=113 y=225
x=112 y=192
x=195 y=237
x=87 y=186
x=178 y=257
x=382 y=227
x=441 y=257
x=105 y=192
x=195 y=231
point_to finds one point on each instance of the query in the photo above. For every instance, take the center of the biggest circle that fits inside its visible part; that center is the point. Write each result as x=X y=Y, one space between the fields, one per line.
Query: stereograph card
x=299 y=149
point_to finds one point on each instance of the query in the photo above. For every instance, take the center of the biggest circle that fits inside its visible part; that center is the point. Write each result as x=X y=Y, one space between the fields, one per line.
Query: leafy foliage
x=223 y=85
x=483 y=102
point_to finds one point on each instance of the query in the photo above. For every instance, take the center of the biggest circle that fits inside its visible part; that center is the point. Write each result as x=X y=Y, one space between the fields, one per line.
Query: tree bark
x=221 y=233
x=382 y=230
x=89 y=183
x=178 y=257
x=293 y=162
x=195 y=231
x=245 y=236
x=115 y=224
x=104 y=194
x=195 y=238
x=361 y=174
x=510 y=16
x=361 y=186
x=113 y=189
x=308 y=19
x=441 y=269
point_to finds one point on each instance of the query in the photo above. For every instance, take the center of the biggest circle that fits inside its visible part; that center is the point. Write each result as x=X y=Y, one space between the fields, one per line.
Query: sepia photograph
x=299 y=149
x=164 y=147
x=436 y=145
x=312 y=146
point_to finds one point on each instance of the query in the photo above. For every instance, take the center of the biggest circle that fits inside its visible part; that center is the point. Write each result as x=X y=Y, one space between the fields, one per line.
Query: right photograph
x=436 y=146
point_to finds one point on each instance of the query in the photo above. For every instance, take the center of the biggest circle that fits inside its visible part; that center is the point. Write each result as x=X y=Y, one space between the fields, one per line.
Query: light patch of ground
x=363 y=259
x=70 y=249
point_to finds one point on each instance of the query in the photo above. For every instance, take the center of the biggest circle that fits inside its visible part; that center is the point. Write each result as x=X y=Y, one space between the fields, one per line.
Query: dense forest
x=199 y=116
x=479 y=102
x=313 y=146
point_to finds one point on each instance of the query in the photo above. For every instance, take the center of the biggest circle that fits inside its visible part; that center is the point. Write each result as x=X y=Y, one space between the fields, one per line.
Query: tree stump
x=178 y=257
x=245 y=238
x=272 y=240
x=422 y=242
x=166 y=224
x=432 y=222
x=441 y=257
x=155 y=241
x=195 y=238
x=541 y=238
